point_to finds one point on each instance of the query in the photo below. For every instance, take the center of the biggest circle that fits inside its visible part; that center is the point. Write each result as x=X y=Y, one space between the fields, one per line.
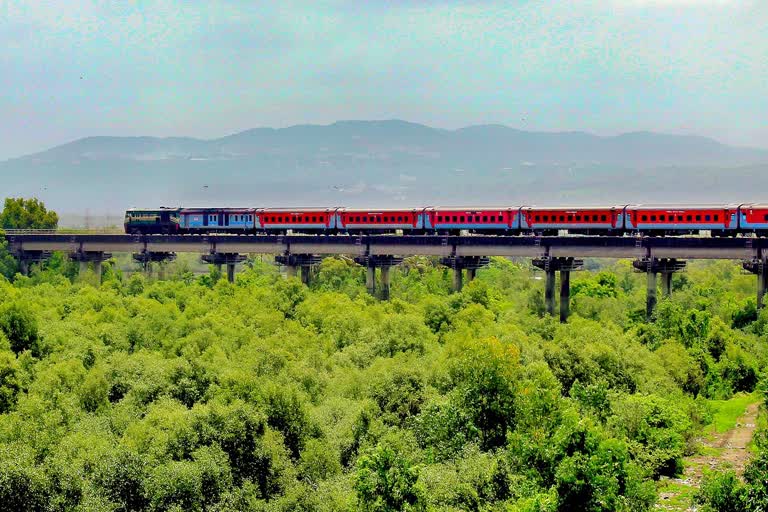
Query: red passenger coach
x=485 y=219
x=682 y=219
x=379 y=220
x=754 y=218
x=598 y=219
x=297 y=219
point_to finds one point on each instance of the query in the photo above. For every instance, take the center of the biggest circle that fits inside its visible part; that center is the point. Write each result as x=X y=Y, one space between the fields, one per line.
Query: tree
x=387 y=481
x=8 y=263
x=20 y=213
x=19 y=326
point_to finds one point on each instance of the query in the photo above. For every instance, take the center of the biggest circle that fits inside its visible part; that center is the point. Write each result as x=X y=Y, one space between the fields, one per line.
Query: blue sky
x=70 y=69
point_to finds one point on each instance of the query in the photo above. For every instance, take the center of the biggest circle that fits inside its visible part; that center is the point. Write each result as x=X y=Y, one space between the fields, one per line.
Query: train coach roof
x=682 y=206
x=379 y=210
x=756 y=206
x=210 y=209
x=474 y=208
x=160 y=209
x=299 y=209
x=573 y=208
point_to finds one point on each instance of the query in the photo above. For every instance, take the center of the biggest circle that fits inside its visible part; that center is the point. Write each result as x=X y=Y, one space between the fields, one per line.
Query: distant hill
x=385 y=162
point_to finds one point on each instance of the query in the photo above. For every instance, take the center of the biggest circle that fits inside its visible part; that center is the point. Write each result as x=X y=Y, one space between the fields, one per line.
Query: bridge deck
x=476 y=245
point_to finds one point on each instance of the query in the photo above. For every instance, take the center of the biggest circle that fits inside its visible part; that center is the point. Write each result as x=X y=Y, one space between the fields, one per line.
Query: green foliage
x=20 y=213
x=23 y=484
x=722 y=492
x=387 y=481
x=658 y=431
x=264 y=395
x=19 y=326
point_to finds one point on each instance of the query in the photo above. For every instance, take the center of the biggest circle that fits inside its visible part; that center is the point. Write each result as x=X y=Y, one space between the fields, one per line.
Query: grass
x=725 y=413
x=680 y=496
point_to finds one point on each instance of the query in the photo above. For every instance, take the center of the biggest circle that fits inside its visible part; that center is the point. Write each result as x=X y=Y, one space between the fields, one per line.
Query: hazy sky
x=70 y=69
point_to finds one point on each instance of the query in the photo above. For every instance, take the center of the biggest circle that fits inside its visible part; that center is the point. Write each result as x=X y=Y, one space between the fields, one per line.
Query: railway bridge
x=655 y=256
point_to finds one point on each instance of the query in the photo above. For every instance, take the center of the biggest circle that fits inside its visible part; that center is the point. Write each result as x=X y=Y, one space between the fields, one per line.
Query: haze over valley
x=381 y=163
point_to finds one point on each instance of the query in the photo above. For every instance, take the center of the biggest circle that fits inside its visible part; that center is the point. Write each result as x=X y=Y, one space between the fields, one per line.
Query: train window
x=578 y=218
x=766 y=217
x=603 y=218
x=698 y=217
x=536 y=218
x=662 y=218
x=644 y=218
x=707 y=218
x=653 y=218
x=689 y=218
x=717 y=218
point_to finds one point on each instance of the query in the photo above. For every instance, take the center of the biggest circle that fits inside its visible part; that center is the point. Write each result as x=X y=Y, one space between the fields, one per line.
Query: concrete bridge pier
x=549 y=291
x=550 y=266
x=384 y=263
x=653 y=267
x=86 y=257
x=27 y=258
x=295 y=263
x=370 y=280
x=219 y=259
x=565 y=295
x=146 y=258
x=759 y=267
x=461 y=263
x=385 y=282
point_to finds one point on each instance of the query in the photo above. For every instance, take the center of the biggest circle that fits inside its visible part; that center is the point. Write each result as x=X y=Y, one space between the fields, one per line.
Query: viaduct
x=657 y=257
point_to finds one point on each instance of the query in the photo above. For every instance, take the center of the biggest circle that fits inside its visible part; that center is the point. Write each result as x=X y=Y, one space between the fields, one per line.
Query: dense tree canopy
x=20 y=213
x=265 y=395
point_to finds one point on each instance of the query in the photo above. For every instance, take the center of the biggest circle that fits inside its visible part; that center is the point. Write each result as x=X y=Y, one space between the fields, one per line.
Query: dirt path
x=728 y=449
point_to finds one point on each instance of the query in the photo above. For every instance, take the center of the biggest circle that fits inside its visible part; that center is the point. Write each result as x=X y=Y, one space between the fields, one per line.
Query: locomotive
x=640 y=219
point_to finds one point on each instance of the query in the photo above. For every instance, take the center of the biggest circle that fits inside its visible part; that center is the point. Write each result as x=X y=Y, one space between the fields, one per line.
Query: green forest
x=191 y=393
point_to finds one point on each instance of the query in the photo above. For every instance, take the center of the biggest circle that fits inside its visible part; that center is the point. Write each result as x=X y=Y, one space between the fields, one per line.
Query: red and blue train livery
x=617 y=220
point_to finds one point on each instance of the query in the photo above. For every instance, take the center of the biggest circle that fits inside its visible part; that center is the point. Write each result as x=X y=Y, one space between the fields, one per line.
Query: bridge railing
x=29 y=231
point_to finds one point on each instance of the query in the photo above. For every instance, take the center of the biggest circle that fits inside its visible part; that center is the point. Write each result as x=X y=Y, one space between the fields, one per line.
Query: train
x=618 y=220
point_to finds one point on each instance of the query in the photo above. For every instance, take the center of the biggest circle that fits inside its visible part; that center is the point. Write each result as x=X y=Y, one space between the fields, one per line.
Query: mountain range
x=382 y=163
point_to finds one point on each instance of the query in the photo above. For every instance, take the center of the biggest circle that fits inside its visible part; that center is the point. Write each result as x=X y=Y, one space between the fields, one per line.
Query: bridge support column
x=565 y=295
x=298 y=262
x=306 y=274
x=385 y=264
x=550 y=265
x=231 y=272
x=146 y=259
x=654 y=266
x=759 y=267
x=370 y=280
x=666 y=284
x=27 y=258
x=219 y=259
x=458 y=279
x=549 y=292
x=650 y=297
x=86 y=257
x=460 y=263
x=385 y=282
